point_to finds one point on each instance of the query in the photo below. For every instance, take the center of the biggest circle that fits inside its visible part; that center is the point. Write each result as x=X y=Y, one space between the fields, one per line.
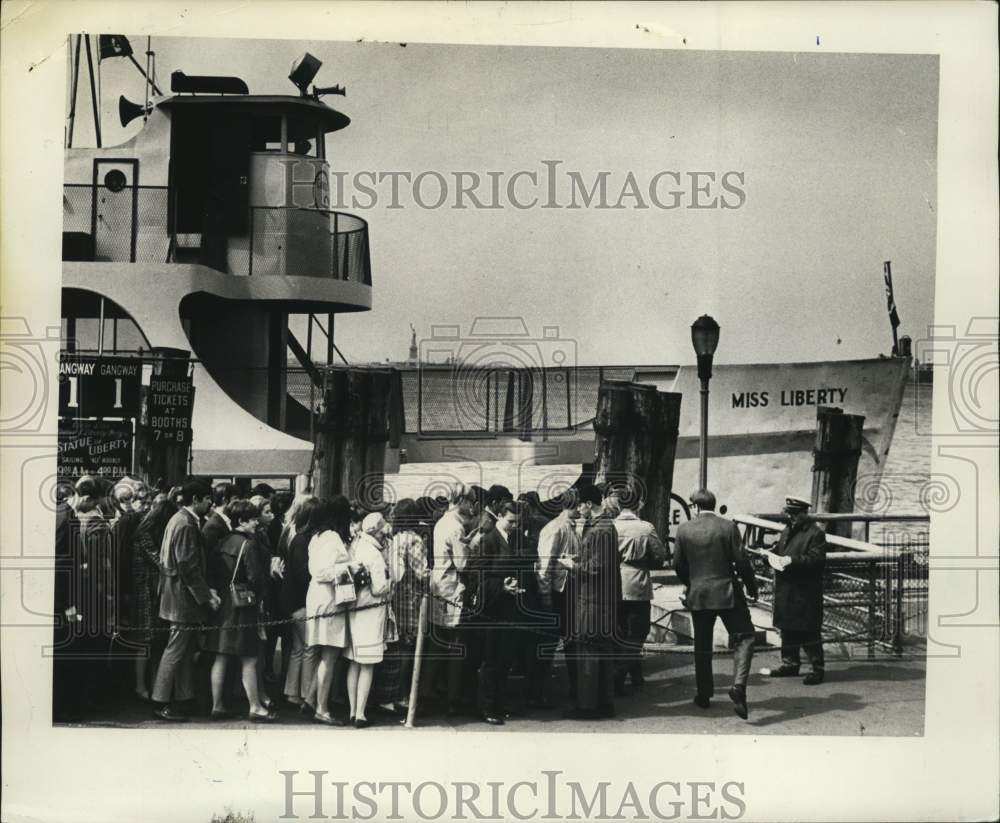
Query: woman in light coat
x=367 y=620
x=326 y=622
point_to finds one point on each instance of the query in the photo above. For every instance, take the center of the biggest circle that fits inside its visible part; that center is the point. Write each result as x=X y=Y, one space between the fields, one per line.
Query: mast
x=93 y=94
x=72 y=99
x=891 y=306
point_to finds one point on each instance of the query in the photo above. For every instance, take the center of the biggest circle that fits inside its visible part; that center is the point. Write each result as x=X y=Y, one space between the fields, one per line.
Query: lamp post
x=705 y=338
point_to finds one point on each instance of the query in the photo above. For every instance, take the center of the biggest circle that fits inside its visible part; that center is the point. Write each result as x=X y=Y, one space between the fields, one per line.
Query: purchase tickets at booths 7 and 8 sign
x=169 y=407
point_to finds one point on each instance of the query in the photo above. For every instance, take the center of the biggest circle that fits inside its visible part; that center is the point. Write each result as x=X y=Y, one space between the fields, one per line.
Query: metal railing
x=469 y=400
x=325 y=243
x=125 y=226
x=873 y=593
x=133 y=225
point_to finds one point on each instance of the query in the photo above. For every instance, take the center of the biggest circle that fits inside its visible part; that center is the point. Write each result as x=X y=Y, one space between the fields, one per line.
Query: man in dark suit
x=708 y=553
x=474 y=620
x=217 y=525
x=185 y=599
x=798 y=559
x=597 y=595
x=503 y=580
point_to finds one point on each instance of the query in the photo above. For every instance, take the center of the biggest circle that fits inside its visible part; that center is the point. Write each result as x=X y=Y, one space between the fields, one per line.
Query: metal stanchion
x=411 y=710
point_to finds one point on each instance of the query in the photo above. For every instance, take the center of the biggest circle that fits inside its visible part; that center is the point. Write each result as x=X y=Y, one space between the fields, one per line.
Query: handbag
x=362 y=578
x=391 y=631
x=344 y=590
x=241 y=593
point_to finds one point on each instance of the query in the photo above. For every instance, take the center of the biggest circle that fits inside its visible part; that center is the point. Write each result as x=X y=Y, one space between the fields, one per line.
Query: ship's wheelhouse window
x=265 y=133
x=305 y=137
x=287 y=135
x=92 y=323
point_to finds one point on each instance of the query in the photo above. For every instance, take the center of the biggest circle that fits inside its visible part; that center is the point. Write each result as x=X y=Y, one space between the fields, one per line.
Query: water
x=904 y=487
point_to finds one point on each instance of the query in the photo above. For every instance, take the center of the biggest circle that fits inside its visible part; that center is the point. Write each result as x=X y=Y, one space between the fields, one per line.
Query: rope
x=281 y=621
x=286 y=621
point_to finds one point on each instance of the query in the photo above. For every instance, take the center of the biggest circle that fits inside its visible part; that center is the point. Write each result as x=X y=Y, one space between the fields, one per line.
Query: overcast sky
x=837 y=153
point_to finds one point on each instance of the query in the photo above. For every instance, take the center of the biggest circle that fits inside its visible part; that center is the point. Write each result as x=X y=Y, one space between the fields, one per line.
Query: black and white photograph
x=407 y=392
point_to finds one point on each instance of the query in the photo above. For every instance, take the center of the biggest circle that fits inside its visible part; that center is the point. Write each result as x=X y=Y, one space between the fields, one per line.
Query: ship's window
x=115 y=180
x=276 y=483
x=81 y=326
x=302 y=133
x=265 y=133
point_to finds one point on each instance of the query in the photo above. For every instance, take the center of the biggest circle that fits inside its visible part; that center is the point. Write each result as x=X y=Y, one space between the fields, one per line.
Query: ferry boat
x=198 y=238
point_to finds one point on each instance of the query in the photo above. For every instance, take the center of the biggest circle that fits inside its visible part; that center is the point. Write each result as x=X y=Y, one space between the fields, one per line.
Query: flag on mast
x=889 y=297
x=113 y=45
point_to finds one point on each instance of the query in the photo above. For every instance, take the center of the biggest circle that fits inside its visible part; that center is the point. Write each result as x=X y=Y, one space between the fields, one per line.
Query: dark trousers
x=595 y=675
x=444 y=651
x=499 y=649
x=633 y=630
x=274 y=634
x=809 y=641
x=175 y=677
x=540 y=644
x=472 y=636
x=562 y=604
x=738 y=624
x=393 y=675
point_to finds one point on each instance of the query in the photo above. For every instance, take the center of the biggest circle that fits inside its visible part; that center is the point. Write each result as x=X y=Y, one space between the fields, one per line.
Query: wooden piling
x=636 y=427
x=835 y=464
x=362 y=413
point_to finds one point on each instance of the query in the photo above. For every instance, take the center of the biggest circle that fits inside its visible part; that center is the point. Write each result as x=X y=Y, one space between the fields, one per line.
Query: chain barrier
x=287 y=621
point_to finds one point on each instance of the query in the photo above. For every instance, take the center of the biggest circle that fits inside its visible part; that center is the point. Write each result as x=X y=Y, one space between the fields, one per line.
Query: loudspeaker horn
x=128 y=111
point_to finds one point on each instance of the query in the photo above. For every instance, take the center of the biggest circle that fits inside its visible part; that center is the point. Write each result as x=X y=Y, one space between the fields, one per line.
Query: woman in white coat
x=328 y=566
x=367 y=621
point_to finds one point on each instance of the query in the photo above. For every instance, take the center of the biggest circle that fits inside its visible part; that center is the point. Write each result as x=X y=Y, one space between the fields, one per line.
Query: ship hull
x=762 y=423
x=762 y=417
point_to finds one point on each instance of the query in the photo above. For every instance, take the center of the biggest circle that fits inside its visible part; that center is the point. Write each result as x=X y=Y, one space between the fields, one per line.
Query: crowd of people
x=203 y=601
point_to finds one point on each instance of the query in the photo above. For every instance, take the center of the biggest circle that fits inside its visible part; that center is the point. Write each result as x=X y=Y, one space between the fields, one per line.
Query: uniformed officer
x=798 y=559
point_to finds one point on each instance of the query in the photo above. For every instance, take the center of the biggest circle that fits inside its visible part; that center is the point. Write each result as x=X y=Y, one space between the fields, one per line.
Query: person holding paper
x=798 y=559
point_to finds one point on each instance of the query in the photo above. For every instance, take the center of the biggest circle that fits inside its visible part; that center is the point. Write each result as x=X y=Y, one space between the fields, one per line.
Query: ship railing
x=873 y=593
x=913 y=524
x=464 y=400
x=290 y=240
x=129 y=225
x=133 y=225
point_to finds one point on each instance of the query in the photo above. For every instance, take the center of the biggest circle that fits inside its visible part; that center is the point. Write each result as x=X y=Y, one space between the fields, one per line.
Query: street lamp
x=705 y=339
